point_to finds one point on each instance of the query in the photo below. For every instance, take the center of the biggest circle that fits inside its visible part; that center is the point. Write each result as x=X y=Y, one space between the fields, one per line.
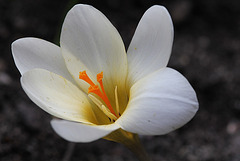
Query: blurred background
x=206 y=51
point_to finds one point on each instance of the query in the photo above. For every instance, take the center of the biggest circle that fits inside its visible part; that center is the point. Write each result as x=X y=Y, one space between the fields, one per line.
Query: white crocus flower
x=136 y=93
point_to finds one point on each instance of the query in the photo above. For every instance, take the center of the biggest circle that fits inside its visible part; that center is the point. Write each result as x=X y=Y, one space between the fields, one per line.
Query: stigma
x=103 y=104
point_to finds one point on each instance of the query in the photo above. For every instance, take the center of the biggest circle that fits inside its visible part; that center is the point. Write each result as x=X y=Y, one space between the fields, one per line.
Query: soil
x=206 y=51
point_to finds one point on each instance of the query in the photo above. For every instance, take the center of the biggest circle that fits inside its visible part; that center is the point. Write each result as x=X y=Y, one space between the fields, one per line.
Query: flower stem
x=131 y=141
x=136 y=147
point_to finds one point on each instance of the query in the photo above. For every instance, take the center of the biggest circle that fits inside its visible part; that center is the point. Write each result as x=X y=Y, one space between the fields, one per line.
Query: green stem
x=131 y=141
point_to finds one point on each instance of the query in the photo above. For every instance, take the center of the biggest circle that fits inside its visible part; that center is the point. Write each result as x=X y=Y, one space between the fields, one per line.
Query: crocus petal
x=90 y=42
x=30 y=53
x=151 y=45
x=77 y=132
x=57 y=96
x=159 y=103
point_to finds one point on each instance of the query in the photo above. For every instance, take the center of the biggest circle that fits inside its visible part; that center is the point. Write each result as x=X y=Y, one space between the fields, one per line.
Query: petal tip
x=81 y=6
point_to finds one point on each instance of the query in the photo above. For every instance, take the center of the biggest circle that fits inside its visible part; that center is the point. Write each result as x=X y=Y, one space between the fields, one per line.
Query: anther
x=107 y=112
x=103 y=108
x=95 y=100
x=116 y=100
x=96 y=90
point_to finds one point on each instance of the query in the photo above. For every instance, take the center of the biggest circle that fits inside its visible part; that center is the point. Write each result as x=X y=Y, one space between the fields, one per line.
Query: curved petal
x=159 y=103
x=30 y=53
x=90 y=42
x=151 y=45
x=77 y=132
x=57 y=96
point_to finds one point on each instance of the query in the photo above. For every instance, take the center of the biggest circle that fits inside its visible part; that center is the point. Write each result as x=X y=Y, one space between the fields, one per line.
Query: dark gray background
x=206 y=50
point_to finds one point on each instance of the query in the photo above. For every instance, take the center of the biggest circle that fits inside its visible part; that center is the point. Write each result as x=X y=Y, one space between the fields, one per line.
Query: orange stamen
x=105 y=99
x=99 y=76
x=83 y=75
x=99 y=79
x=95 y=89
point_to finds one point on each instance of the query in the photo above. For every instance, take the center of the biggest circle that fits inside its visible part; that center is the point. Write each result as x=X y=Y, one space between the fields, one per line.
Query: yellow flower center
x=101 y=94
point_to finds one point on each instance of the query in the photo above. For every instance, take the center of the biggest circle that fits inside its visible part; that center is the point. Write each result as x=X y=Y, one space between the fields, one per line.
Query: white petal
x=90 y=42
x=77 y=132
x=57 y=96
x=151 y=45
x=159 y=103
x=30 y=53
